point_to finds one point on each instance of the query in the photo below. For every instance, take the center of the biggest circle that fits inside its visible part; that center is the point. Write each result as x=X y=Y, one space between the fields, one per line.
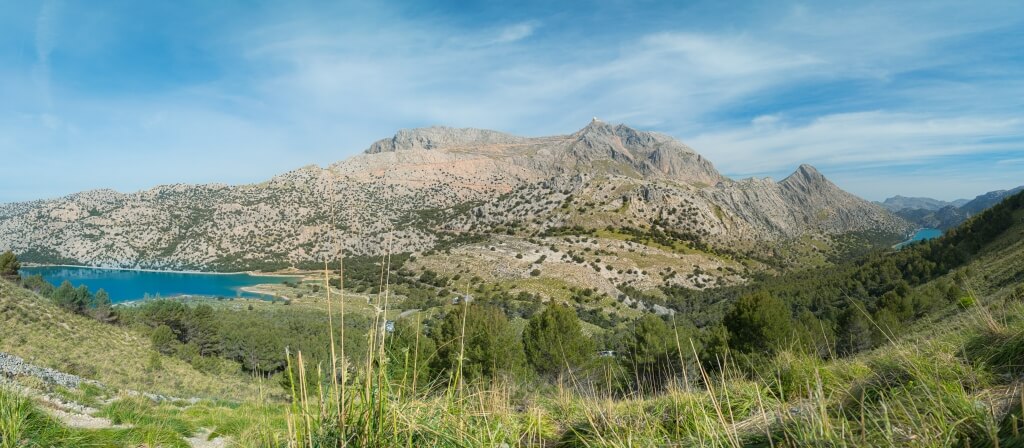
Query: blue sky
x=912 y=98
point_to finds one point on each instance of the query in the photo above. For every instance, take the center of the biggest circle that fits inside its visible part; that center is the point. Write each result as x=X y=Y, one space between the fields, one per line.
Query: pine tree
x=82 y=299
x=37 y=284
x=9 y=266
x=554 y=341
x=652 y=354
x=163 y=339
x=201 y=330
x=759 y=322
x=64 y=295
x=855 y=332
x=491 y=346
x=102 y=309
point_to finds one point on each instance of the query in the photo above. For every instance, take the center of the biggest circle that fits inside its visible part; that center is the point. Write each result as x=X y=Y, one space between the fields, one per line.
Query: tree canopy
x=491 y=346
x=554 y=341
x=759 y=322
x=9 y=266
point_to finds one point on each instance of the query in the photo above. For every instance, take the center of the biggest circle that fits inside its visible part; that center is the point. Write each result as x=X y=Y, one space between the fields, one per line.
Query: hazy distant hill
x=934 y=213
x=897 y=203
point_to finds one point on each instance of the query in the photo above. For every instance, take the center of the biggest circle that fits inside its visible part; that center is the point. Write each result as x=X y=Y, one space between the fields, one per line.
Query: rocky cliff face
x=805 y=201
x=422 y=187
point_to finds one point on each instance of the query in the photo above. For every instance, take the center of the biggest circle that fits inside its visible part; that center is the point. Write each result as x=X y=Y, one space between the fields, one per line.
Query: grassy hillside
x=43 y=334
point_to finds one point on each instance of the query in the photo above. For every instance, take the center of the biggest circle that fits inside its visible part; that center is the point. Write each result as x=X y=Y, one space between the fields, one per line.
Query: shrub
x=163 y=339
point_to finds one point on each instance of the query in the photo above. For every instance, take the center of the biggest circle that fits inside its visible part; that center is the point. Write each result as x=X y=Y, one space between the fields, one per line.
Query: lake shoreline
x=125 y=286
x=165 y=271
x=912 y=237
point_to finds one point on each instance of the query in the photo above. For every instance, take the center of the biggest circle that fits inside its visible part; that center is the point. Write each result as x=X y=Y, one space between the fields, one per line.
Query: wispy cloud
x=876 y=154
x=45 y=41
x=770 y=144
x=514 y=33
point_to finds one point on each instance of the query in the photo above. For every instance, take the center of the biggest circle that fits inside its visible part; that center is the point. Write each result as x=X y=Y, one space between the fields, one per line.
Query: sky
x=885 y=98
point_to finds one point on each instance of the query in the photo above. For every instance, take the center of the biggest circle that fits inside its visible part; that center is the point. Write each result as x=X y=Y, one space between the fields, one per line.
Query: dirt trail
x=75 y=415
x=73 y=419
x=82 y=421
x=202 y=440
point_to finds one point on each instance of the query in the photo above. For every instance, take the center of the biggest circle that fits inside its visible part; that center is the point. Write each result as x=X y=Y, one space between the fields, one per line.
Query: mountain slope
x=423 y=188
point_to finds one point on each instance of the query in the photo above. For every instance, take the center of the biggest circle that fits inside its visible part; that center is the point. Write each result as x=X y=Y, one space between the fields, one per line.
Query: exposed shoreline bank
x=165 y=271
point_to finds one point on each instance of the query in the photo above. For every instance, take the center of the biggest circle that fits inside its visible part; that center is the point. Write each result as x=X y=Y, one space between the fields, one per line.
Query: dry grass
x=45 y=335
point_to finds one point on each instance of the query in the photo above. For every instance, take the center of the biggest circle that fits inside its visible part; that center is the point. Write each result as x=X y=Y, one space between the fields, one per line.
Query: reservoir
x=920 y=235
x=125 y=285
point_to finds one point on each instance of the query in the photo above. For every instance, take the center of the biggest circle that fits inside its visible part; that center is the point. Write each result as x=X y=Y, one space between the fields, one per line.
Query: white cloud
x=516 y=32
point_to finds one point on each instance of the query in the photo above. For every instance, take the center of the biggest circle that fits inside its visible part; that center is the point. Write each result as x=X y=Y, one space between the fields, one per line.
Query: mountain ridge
x=934 y=213
x=418 y=188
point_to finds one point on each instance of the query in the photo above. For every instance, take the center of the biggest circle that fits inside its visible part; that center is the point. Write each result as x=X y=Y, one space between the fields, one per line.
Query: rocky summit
x=431 y=188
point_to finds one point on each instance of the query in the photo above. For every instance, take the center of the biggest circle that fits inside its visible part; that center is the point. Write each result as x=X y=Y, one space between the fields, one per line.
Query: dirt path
x=83 y=421
x=202 y=440
x=75 y=415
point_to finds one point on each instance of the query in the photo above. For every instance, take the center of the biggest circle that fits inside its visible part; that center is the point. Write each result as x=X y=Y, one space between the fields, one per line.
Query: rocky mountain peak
x=596 y=127
x=599 y=133
x=649 y=153
x=808 y=180
x=806 y=174
x=440 y=137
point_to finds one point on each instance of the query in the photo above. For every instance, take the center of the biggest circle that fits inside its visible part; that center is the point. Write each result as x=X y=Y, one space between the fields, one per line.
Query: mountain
x=937 y=214
x=984 y=201
x=944 y=218
x=897 y=203
x=433 y=188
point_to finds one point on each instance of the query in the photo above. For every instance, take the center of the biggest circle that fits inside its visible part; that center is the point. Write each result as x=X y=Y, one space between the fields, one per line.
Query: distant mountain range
x=424 y=190
x=934 y=213
x=897 y=203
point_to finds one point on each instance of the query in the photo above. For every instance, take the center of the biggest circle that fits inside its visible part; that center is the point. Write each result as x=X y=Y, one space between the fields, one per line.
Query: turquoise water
x=125 y=285
x=921 y=235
